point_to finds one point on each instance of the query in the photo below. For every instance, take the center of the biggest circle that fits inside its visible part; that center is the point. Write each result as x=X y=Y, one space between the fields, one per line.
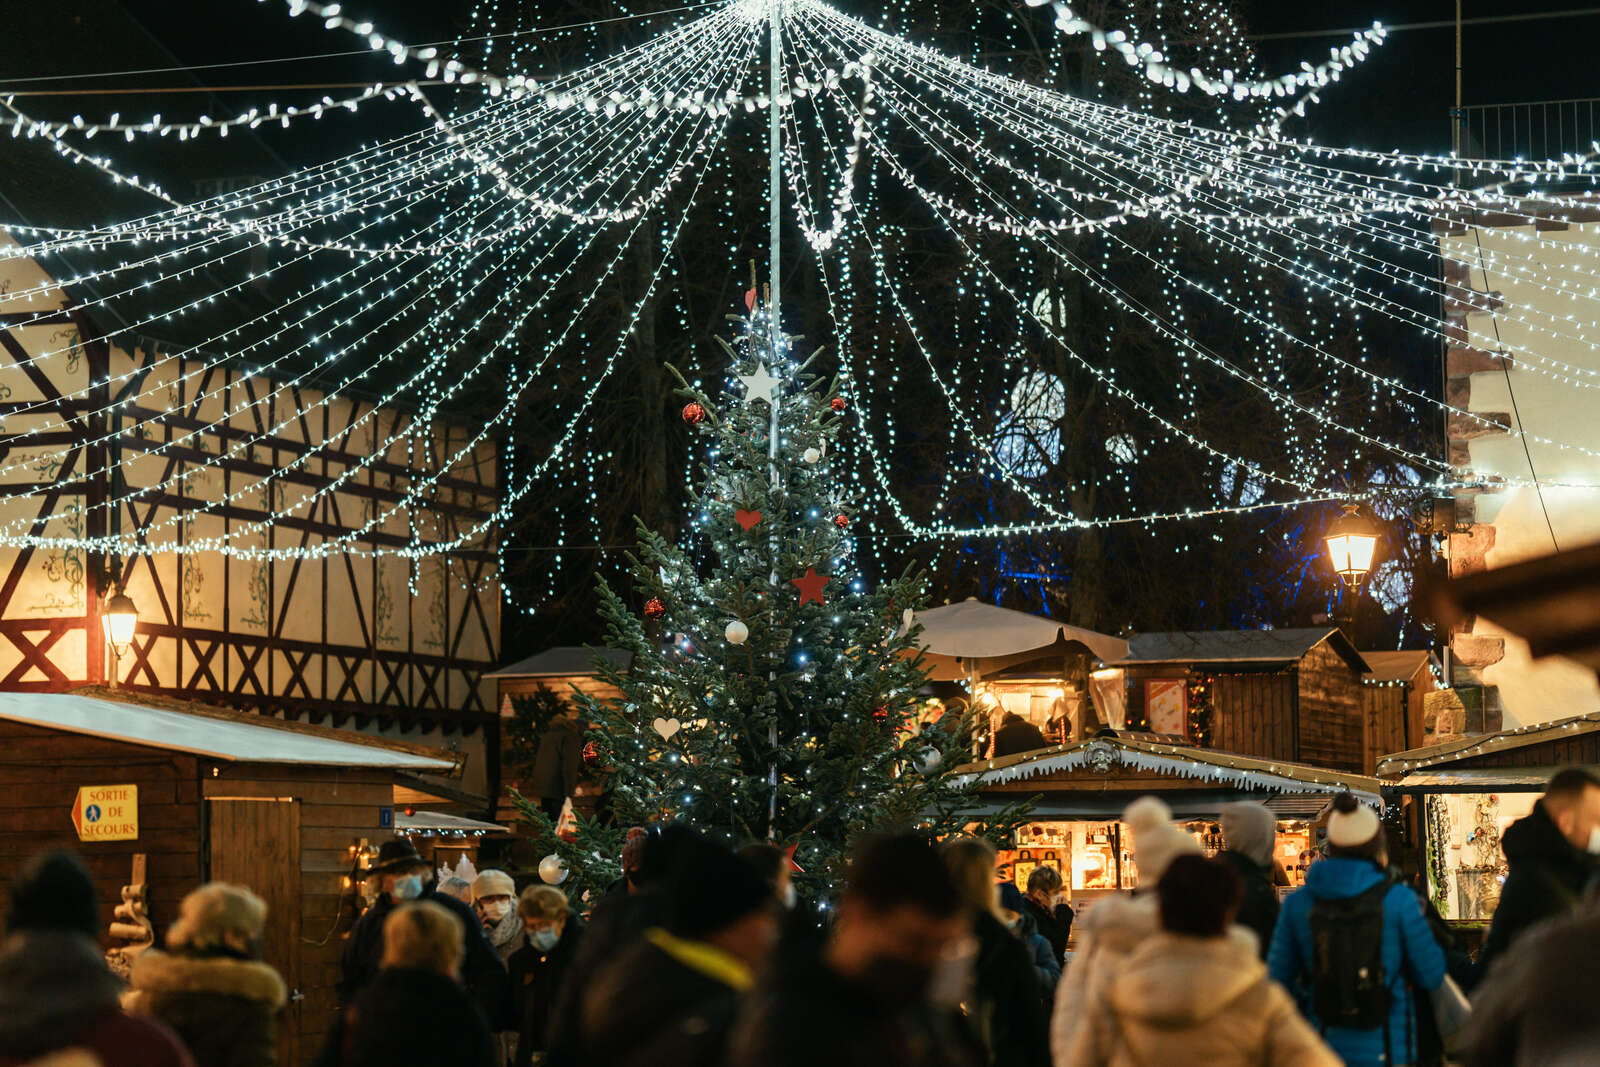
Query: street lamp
x=1352 y=540
x=118 y=617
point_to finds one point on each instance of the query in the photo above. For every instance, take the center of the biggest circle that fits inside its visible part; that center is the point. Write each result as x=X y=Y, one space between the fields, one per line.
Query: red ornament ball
x=693 y=413
x=880 y=713
x=591 y=755
x=841 y=521
x=839 y=403
x=654 y=608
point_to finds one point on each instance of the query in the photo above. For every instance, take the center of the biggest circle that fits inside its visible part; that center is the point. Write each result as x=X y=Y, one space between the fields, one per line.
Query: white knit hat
x=1157 y=841
x=492 y=883
x=1351 y=827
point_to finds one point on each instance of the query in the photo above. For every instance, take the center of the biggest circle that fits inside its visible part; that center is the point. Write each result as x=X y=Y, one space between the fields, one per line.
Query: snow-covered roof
x=1238 y=646
x=1109 y=754
x=212 y=736
x=424 y=821
x=975 y=630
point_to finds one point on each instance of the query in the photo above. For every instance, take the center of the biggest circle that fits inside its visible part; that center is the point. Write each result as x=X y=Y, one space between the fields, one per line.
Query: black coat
x=648 y=1009
x=410 y=1017
x=481 y=970
x=1017 y=735
x=1546 y=879
x=535 y=978
x=614 y=925
x=1258 y=897
x=1054 y=926
x=556 y=764
x=224 y=1009
x=805 y=1015
x=1005 y=1010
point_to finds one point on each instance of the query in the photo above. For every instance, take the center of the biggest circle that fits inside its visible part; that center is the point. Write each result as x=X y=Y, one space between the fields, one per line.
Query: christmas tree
x=773 y=695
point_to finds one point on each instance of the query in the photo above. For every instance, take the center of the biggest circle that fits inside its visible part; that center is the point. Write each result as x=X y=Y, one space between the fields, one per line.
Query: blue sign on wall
x=386 y=818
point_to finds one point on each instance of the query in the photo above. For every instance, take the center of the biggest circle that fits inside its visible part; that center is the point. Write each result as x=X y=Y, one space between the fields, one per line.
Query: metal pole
x=774 y=330
x=1458 y=117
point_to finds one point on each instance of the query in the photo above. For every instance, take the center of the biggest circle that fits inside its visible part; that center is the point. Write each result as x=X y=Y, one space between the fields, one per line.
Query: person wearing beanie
x=1249 y=832
x=211 y=985
x=1194 y=991
x=58 y=1001
x=1351 y=892
x=880 y=991
x=670 y=999
x=1116 y=925
x=494 y=899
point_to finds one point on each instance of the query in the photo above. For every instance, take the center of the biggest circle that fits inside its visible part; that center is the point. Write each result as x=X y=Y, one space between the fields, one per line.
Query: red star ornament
x=810 y=586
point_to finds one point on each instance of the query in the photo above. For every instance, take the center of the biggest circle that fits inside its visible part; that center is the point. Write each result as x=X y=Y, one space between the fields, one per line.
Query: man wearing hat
x=404 y=876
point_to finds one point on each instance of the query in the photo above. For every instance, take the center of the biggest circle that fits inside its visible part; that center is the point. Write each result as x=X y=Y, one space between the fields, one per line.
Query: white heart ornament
x=666 y=727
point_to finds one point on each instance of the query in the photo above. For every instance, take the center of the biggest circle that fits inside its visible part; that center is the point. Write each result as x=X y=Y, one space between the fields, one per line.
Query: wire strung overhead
x=415 y=268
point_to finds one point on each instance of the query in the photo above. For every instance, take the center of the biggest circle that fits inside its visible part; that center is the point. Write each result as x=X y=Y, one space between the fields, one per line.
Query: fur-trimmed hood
x=157 y=973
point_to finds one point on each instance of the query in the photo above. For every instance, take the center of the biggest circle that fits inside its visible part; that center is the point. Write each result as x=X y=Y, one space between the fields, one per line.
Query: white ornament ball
x=553 y=869
x=737 y=633
x=812 y=455
x=929 y=760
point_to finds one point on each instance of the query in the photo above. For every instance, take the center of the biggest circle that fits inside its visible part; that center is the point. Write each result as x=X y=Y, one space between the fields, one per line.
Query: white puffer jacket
x=1176 y=999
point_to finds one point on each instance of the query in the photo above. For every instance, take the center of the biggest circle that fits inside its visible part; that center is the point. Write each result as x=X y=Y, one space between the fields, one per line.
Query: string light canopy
x=420 y=264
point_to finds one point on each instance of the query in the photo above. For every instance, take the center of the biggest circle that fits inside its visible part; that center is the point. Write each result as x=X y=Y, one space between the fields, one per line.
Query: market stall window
x=1466 y=866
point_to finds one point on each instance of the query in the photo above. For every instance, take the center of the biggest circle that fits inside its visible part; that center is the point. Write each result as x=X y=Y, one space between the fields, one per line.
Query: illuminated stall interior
x=1082 y=788
x=1462 y=794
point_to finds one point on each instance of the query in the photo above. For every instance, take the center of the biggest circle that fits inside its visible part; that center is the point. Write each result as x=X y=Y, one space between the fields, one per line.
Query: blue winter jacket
x=1409 y=951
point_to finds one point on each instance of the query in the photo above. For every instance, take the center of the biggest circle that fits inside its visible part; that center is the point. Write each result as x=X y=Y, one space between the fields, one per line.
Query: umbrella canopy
x=974 y=631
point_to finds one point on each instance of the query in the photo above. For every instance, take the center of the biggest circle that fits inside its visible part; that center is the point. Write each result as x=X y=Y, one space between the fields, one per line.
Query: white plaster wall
x=1527 y=268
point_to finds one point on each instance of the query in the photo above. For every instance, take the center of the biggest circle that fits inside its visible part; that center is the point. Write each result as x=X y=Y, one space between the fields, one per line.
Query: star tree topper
x=760 y=385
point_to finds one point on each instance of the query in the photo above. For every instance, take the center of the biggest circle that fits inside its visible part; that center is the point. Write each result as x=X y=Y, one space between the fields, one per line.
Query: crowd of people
x=701 y=956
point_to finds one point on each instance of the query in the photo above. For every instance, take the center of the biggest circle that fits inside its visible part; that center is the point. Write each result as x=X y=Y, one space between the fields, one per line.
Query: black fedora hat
x=397 y=855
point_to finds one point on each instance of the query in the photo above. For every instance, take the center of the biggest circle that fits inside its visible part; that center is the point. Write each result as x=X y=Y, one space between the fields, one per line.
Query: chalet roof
x=972 y=629
x=217 y=736
x=1397 y=764
x=1263 y=647
x=1226 y=769
x=564 y=660
x=1394 y=666
x=424 y=822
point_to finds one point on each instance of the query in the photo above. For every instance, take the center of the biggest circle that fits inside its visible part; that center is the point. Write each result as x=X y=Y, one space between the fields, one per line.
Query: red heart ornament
x=748 y=519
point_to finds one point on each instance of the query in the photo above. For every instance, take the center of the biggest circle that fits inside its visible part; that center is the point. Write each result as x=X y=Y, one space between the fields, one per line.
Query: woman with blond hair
x=211 y=985
x=1002 y=1007
x=415 y=1010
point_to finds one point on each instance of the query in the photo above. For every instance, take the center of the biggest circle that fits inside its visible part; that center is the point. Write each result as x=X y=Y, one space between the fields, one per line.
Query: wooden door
x=255 y=842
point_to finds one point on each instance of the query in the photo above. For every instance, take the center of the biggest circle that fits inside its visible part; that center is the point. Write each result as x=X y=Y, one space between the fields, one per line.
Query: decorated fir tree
x=773 y=695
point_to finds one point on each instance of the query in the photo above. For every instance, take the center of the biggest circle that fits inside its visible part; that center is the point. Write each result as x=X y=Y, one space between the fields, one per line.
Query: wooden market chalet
x=1287 y=717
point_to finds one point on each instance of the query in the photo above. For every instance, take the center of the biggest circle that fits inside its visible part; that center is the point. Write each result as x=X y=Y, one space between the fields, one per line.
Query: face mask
x=790 y=897
x=494 y=911
x=407 y=888
x=545 y=940
x=1594 y=841
x=896 y=983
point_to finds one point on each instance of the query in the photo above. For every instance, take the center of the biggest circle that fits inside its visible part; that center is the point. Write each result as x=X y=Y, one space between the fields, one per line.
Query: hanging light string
x=447 y=465
x=575 y=159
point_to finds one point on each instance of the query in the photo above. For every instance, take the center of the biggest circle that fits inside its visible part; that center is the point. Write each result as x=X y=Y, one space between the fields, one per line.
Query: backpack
x=1348 y=986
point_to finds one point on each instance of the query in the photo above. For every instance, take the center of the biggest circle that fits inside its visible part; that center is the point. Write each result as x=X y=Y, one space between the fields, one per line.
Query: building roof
x=1395 y=666
x=972 y=629
x=218 y=736
x=1226 y=769
x=1398 y=764
x=434 y=822
x=564 y=660
x=1262 y=647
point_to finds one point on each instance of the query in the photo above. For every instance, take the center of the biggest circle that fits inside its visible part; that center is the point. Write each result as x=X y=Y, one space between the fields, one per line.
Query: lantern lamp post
x=118 y=617
x=1352 y=541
